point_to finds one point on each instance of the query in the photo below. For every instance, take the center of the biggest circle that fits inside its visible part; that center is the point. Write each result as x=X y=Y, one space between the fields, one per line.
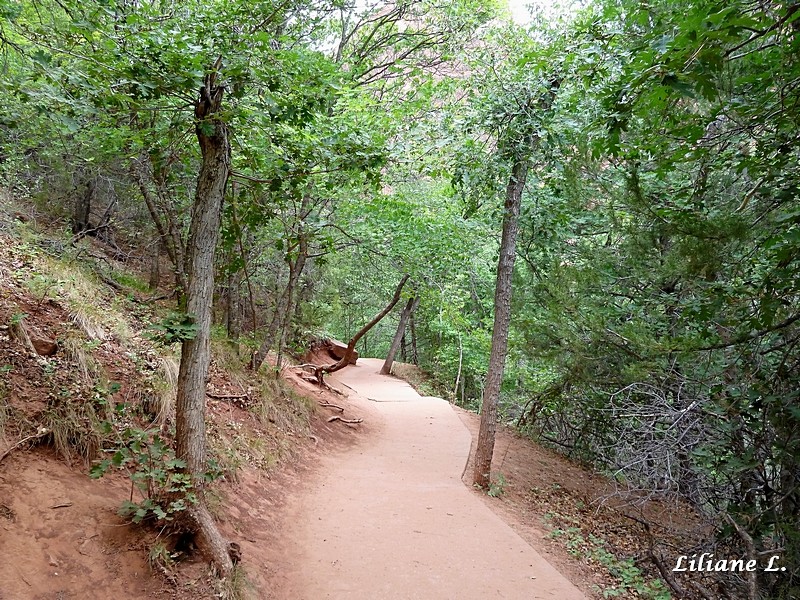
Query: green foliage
x=497 y=486
x=166 y=489
x=159 y=557
x=176 y=327
x=630 y=579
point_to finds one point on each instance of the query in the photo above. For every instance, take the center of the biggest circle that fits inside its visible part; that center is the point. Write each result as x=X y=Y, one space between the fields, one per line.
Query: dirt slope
x=391 y=518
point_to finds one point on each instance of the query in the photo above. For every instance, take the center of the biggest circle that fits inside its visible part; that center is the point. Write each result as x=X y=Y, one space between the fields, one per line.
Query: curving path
x=391 y=519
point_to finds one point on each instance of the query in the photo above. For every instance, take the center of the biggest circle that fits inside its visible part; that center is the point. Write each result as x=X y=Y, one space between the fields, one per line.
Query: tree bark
x=284 y=305
x=212 y=135
x=345 y=360
x=155 y=264
x=83 y=207
x=410 y=307
x=502 y=317
x=414 y=357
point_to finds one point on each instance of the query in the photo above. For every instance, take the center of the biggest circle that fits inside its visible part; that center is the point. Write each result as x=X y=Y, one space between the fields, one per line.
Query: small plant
x=630 y=579
x=175 y=327
x=159 y=476
x=160 y=557
x=235 y=586
x=498 y=486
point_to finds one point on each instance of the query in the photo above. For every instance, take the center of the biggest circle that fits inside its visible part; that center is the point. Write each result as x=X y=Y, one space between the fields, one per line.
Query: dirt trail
x=390 y=518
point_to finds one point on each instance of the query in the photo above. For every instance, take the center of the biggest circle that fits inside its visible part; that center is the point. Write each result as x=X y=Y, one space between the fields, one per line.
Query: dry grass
x=281 y=416
x=165 y=386
x=88 y=302
x=75 y=427
x=78 y=352
x=236 y=586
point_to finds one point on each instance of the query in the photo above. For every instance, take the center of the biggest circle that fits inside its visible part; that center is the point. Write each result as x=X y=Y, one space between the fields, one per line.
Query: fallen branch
x=43 y=431
x=329 y=405
x=750 y=550
x=343 y=420
x=227 y=396
x=658 y=559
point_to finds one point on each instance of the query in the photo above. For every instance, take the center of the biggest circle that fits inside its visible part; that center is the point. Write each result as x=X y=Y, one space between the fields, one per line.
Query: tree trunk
x=233 y=306
x=166 y=223
x=190 y=434
x=155 y=264
x=83 y=207
x=460 y=364
x=345 y=360
x=502 y=317
x=410 y=307
x=414 y=358
x=284 y=305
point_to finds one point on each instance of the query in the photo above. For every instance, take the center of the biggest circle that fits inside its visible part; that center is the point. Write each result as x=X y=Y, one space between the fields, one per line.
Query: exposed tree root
x=343 y=420
x=43 y=431
x=210 y=542
x=329 y=405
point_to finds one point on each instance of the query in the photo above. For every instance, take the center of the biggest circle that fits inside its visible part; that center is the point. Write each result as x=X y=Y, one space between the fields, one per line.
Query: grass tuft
x=235 y=586
x=78 y=351
x=75 y=426
x=165 y=386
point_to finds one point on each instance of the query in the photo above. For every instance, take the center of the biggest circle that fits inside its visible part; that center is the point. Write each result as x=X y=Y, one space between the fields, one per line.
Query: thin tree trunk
x=410 y=307
x=190 y=434
x=83 y=207
x=460 y=363
x=414 y=358
x=166 y=224
x=155 y=264
x=502 y=317
x=284 y=306
x=233 y=317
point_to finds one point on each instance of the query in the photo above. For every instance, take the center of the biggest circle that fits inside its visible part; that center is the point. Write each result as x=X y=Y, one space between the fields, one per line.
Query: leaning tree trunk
x=409 y=308
x=502 y=317
x=212 y=135
x=319 y=372
x=166 y=222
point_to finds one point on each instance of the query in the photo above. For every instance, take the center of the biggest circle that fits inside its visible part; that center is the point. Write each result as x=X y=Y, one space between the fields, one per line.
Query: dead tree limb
x=227 y=396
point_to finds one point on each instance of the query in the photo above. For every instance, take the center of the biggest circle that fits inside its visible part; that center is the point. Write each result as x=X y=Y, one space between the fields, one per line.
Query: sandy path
x=391 y=519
